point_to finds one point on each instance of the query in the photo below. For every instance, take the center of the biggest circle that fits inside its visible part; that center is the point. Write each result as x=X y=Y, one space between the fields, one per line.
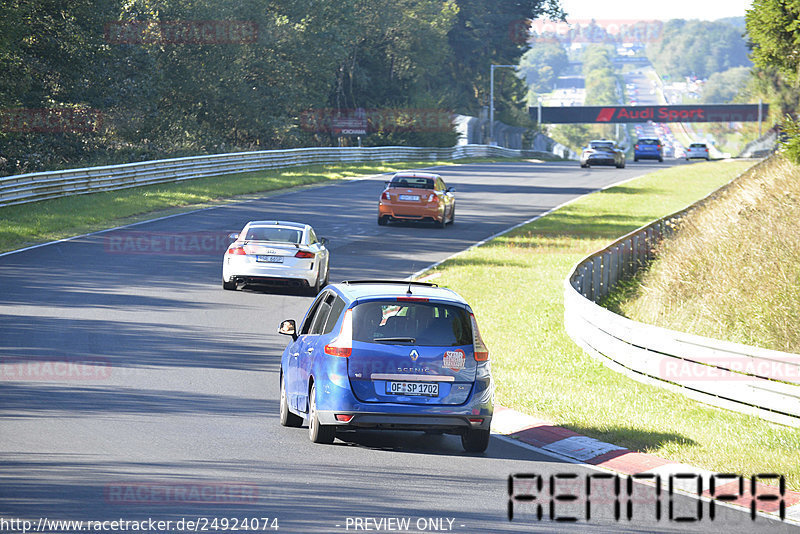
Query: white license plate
x=409 y=197
x=270 y=259
x=427 y=389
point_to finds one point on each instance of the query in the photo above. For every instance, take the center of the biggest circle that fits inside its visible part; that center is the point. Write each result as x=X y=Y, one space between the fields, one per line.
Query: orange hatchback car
x=417 y=196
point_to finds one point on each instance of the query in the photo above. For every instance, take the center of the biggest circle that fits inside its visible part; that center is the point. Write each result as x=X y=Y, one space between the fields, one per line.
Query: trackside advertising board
x=616 y=114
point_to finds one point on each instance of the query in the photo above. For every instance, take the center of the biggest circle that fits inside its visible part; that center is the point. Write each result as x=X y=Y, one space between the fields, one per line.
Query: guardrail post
x=584 y=292
x=597 y=277
x=589 y=293
x=606 y=273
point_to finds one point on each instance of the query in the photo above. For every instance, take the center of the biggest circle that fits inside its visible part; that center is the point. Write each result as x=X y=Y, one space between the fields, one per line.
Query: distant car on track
x=697 y=150
x=277 y=253
x=393 y=355
x=648 y=148
x=602 y=152
x=417 y=196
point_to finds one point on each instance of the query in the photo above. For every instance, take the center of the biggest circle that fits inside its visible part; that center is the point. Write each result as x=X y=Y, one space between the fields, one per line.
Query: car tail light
x=344 y=417
x=481 y=352
x=304 y=254
x=476 y=420
x=636 y=147
x=237 y=251
x=342 y=345
x=385 y=196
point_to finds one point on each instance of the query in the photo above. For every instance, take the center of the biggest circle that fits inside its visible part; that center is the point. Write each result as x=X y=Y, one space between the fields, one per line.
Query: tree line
x=145 y=79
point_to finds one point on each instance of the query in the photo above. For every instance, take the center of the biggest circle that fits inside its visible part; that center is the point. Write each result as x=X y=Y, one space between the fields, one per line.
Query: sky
x=654 y=9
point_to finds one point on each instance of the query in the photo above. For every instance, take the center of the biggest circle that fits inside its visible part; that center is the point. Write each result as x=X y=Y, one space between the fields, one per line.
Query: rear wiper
x=395 y=340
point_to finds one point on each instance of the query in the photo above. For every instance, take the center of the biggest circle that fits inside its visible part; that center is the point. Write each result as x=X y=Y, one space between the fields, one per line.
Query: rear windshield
x=417 y=323
x=697 y=145
x=274 y=234
x=408 y=181
x=602 y=145
x=649 y=142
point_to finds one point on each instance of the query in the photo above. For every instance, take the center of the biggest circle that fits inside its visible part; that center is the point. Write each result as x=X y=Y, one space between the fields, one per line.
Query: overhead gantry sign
x=627 y=114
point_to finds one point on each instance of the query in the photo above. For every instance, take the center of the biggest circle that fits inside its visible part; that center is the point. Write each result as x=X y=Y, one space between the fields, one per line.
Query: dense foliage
x=541 y=65
x=774 y=30
x=150 y=90
x=723 y=87
x=698 y=48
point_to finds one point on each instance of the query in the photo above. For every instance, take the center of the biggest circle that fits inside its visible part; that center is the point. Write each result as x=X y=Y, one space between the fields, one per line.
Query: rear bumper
x=647 y=155
x=391 y=421
x=266 y=274
x=409 y=213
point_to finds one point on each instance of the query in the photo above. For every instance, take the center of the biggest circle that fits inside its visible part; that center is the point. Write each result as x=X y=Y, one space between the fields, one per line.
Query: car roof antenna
x=408 y=291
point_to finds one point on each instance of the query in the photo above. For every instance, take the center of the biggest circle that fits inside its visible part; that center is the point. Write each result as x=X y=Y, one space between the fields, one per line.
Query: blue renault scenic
x=387 y=355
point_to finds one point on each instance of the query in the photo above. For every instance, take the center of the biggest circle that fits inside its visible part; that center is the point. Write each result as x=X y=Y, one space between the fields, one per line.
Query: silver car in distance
x=276 y=253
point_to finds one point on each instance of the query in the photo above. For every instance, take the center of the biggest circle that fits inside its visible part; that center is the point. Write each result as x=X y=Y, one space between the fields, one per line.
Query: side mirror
x=323 y=240
x=288 y=328
x=233 y=236
x=451 y=189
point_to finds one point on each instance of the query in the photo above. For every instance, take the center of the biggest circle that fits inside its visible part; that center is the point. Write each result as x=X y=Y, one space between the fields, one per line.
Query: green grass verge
x=515 y=285
x=48 y=220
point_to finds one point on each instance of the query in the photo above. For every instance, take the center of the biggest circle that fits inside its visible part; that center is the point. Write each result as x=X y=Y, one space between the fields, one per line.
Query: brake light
x=480 y=349
x=237 y=251
x=304 y=254
x=342 y=345
x=413 y=299
x=344 y=417
x=636 y=147
x=386 y=196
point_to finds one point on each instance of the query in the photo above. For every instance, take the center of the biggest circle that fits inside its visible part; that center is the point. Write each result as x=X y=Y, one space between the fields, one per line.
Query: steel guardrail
x=33 y=187
x=742 y=378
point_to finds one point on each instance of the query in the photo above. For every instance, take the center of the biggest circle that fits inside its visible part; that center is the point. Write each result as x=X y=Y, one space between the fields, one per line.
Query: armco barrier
x=32 y=187
x=746 y=379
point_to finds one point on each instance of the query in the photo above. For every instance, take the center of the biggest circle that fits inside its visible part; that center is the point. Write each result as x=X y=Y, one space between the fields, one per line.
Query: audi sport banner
x=614 y=114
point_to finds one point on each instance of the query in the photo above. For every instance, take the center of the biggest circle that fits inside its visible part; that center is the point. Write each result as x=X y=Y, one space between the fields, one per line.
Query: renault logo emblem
x=414 y=355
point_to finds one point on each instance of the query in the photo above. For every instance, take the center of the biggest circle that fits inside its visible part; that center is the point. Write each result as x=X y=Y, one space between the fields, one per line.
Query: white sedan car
x=276 y=253
x=697 y=150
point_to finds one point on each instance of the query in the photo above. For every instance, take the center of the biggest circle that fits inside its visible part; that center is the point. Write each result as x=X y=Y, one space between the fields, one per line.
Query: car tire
x=383 y=220
x=313 y=290
x=318 y=433
x=443 y=222
x=230 y=286
x=453 y=216
x=475 y=440
x=661 y=160
x=327 y=276
x=287 y=417
x=635 y=159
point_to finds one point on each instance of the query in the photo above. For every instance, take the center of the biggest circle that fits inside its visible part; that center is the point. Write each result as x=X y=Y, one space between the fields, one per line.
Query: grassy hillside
x=732 y=270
